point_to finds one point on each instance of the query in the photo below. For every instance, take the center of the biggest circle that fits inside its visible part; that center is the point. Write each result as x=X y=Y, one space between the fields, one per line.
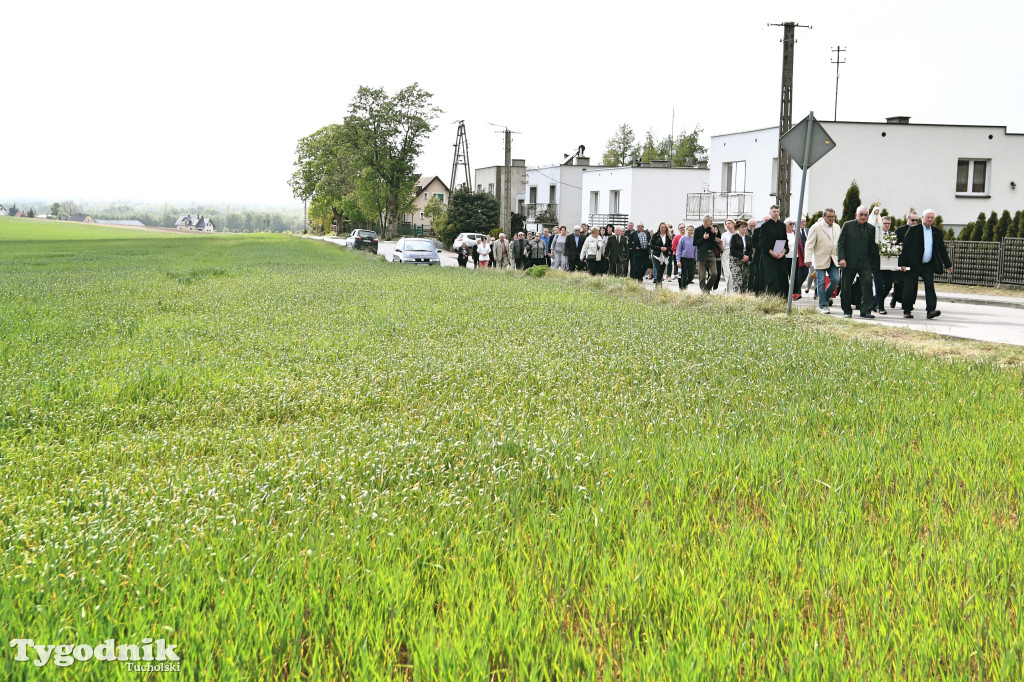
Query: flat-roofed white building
x=958 y=170
x=647 y=194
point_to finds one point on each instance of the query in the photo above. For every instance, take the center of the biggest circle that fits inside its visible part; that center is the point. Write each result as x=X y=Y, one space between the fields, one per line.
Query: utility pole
x=461 y=159
x=839 y=53
x=506 y=188
x=782 y=190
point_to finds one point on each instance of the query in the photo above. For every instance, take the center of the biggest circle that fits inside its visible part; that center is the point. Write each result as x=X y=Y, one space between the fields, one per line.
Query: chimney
x=898 y=120
x=581 y=161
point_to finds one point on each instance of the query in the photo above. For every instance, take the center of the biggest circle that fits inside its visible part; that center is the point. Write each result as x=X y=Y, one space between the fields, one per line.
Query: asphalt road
x=984 y=318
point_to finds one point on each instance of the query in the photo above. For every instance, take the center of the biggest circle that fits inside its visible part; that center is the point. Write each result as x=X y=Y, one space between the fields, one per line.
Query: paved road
x=971 y=316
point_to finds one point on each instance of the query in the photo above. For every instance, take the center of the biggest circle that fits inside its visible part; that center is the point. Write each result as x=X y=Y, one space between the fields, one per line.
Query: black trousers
x=867 y=294
x=687 y=270
x=594 y=267
x=639 y=262
x=883 y=285
x=659 y=270
x=909 y=293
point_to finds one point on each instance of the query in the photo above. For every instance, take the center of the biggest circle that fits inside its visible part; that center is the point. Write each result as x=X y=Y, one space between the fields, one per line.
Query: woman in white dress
x=483 y=249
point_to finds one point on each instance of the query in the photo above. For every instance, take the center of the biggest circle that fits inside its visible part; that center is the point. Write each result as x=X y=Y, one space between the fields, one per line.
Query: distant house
x=80 y=218
x=197 y=223
x=3 y=210
x=427 y=187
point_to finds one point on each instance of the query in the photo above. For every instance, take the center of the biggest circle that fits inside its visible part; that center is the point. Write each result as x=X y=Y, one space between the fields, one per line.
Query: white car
x=469 y=238
x=416 y=251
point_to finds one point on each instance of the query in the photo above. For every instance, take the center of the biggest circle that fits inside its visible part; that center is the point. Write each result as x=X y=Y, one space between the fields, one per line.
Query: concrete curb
x=953 y=298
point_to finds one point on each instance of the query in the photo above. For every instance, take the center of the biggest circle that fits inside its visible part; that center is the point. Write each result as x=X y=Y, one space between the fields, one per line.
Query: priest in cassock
x=773 y=276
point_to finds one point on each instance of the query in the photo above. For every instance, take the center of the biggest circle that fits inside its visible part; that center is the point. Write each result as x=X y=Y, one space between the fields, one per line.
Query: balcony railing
x=720 y=205
x=603 y=219
x=542 y=213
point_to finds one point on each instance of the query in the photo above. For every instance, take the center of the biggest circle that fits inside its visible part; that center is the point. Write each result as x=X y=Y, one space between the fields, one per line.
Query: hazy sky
x=204 y=101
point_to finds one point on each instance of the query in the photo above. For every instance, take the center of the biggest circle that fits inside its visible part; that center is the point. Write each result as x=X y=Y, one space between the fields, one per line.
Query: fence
x=986 y=264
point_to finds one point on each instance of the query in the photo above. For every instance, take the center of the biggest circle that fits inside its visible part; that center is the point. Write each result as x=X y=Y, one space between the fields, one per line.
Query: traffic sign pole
x=800 y=210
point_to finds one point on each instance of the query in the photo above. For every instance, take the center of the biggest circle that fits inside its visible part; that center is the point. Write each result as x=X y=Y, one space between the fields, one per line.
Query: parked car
x=417 y=251
x=468 y=237
x=362 y=239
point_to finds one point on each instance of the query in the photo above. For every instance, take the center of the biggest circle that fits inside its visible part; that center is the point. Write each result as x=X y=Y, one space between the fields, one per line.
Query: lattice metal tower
x=782 y=190
x=461 y=158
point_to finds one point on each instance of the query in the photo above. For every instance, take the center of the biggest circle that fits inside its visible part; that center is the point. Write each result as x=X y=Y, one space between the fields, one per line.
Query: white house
x=647 y=194
x=958 y=170
x=554 y=194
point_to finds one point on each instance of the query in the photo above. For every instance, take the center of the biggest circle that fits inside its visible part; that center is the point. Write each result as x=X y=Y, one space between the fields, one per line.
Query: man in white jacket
x=821 y=249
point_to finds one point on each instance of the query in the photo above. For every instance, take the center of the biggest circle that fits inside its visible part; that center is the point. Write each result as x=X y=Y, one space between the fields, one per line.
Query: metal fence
x=986 y=264
x=721 y=205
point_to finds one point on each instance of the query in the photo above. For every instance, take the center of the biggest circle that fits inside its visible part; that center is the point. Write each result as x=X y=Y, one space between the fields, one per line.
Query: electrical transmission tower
x=782 y=191
x=461 y=158
x=839 y=53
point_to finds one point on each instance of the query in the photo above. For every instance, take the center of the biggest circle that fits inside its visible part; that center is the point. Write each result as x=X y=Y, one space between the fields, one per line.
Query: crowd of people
x=745 y=257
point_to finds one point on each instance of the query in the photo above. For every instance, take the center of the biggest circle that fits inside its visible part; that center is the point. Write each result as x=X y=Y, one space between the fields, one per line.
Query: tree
x=1003 y=226
x=850 y=203
x=989 y=233
x=622 y=149
x=55 y=209
x=966 y=232
x=653 y=149
x=437 y=212
x=325 y=175
x=386 y=134
x=470 y=211
x=1017 y=228
x=688 y=149
x=68 y=207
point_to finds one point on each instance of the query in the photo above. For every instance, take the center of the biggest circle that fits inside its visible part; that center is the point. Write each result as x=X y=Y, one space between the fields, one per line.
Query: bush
x=495 y=232
x=537 y=270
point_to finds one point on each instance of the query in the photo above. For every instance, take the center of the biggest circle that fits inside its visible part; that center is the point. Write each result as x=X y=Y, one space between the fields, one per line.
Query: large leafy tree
x=386 y=133
x=470 y=211
x=325 y=175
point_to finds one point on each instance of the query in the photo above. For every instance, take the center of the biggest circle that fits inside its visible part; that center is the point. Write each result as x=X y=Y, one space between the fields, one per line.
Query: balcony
x=545 y=214
x=721 y=205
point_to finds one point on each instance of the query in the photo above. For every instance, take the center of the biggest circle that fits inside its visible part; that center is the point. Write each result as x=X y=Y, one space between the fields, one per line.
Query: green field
x=293 y=461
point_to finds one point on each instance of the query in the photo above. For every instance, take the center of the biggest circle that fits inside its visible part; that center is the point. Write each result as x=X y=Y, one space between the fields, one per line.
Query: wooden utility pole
x=839 y=53
x=506 y=187
x=782 y=190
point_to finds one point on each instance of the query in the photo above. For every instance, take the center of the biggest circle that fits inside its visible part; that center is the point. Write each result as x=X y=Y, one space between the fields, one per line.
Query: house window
x=479 y=188
x=734 y=176
x=490 y=187
x=440 y=197
x=613 y=201
x=595 y=197
x=552 y=199
x=972 y=176
x=520 y=209
x=533 y=194
x=421 y=215
x=775 y=176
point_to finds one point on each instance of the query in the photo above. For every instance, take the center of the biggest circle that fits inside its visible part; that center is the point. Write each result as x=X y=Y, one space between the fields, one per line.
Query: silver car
x=416 y=251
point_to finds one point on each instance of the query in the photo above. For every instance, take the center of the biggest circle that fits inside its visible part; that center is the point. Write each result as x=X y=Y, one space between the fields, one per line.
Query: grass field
x=294 y=461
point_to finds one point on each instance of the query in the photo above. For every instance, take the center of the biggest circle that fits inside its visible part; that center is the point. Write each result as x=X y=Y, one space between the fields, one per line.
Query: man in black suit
x=573 y=246
x=639 y=253
x=857 y=253
x=924 y=256
x=616 y=253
